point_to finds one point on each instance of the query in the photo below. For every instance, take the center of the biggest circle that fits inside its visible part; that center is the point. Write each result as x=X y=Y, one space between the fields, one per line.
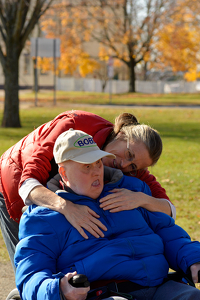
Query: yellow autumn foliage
x=67 y=26
x=105 y=54
x=192 y=75
x=178 y=41
x=178 y=47
x=173 y=38
x=87 y=65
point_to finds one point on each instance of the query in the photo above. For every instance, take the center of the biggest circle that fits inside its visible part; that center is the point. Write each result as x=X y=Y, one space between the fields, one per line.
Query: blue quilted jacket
x=138 y=246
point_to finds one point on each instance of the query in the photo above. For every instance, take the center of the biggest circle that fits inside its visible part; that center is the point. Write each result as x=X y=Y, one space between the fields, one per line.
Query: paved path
x=7 y=280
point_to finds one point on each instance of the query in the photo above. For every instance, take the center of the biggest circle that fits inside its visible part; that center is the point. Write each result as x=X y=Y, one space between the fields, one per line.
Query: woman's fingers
x=120 y=199
x=82 y=217
x=115 y=195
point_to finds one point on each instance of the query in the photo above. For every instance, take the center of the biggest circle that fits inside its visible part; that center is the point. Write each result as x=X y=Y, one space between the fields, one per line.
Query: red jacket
x=31 y=157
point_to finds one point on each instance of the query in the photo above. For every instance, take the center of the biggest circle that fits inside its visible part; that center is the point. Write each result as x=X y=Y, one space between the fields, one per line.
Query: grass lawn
x=120 y=99
x=178 y=167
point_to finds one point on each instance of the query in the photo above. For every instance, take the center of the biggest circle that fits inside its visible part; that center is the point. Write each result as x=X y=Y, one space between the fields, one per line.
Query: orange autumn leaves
x=66 y=25
x=174 y=44
x=178 y=41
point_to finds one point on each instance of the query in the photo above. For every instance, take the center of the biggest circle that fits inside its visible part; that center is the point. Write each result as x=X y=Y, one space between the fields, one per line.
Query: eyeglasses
x=129 y=156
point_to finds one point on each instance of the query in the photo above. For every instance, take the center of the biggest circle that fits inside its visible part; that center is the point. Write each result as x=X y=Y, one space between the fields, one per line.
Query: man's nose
x=96 y=170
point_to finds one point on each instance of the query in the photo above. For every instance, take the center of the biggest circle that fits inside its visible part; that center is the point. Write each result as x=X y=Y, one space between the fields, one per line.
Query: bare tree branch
x=47 y=7
x=2 y=34
x=21 y=14
x=2 y=58
x=2 y=17
x=34 y=19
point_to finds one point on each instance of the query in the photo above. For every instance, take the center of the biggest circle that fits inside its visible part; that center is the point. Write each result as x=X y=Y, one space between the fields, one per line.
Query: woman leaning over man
x=26 y=167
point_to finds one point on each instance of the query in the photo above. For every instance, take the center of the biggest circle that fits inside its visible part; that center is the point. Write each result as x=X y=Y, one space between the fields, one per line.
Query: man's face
x=84 y=179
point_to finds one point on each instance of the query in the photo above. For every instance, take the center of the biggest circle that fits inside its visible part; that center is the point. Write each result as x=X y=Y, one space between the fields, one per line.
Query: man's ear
x=62 y=173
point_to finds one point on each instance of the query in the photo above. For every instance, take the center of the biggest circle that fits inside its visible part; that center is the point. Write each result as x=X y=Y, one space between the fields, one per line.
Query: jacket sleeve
x=179 y=250
x=38 y=153
x=156 y=189
x=35 y=258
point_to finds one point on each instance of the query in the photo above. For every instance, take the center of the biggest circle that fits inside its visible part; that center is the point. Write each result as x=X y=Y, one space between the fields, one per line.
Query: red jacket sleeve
x=156 y=189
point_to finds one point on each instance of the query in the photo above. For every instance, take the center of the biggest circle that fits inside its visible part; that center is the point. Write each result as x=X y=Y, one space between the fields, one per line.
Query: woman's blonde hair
x=130 y=129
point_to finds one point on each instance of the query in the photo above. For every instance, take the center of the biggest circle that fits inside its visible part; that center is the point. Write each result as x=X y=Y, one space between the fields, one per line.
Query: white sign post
x=45 y=48
x=110 y=73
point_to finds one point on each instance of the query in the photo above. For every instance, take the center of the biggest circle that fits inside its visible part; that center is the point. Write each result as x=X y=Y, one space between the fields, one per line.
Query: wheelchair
x=14 y=294
x=81 y=281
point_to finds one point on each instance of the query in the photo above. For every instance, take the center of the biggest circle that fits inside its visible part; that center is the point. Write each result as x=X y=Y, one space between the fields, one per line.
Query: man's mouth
x=96 y=183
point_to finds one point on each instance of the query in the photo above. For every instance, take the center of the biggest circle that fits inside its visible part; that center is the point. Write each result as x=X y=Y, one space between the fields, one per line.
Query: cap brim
x=92 y=156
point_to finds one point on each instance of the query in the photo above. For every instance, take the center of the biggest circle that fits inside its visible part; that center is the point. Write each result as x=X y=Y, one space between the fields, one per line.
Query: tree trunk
x=145 y=71
x=132 y=76
x=103 y=85
x=11 y=87
x=35 y=76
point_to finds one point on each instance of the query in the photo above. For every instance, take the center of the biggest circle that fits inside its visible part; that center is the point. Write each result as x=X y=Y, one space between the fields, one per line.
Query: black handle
x=199 y=276
x=79 y=280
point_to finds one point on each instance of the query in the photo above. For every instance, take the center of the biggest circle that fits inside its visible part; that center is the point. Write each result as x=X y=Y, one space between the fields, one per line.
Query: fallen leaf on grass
x=165 y=180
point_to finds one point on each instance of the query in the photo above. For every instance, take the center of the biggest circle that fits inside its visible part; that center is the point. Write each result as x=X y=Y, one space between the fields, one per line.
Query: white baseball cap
x=78 y=146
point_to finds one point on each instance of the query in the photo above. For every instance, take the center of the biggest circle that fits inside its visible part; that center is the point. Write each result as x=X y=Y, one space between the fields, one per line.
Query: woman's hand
x=122 y=199
x=79 y=216
x=82 y=217
x=70 y=292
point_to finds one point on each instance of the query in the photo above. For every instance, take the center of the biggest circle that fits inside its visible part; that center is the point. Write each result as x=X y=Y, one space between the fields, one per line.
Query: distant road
x=27 y=104
x=143 y=106
x=132 y=105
